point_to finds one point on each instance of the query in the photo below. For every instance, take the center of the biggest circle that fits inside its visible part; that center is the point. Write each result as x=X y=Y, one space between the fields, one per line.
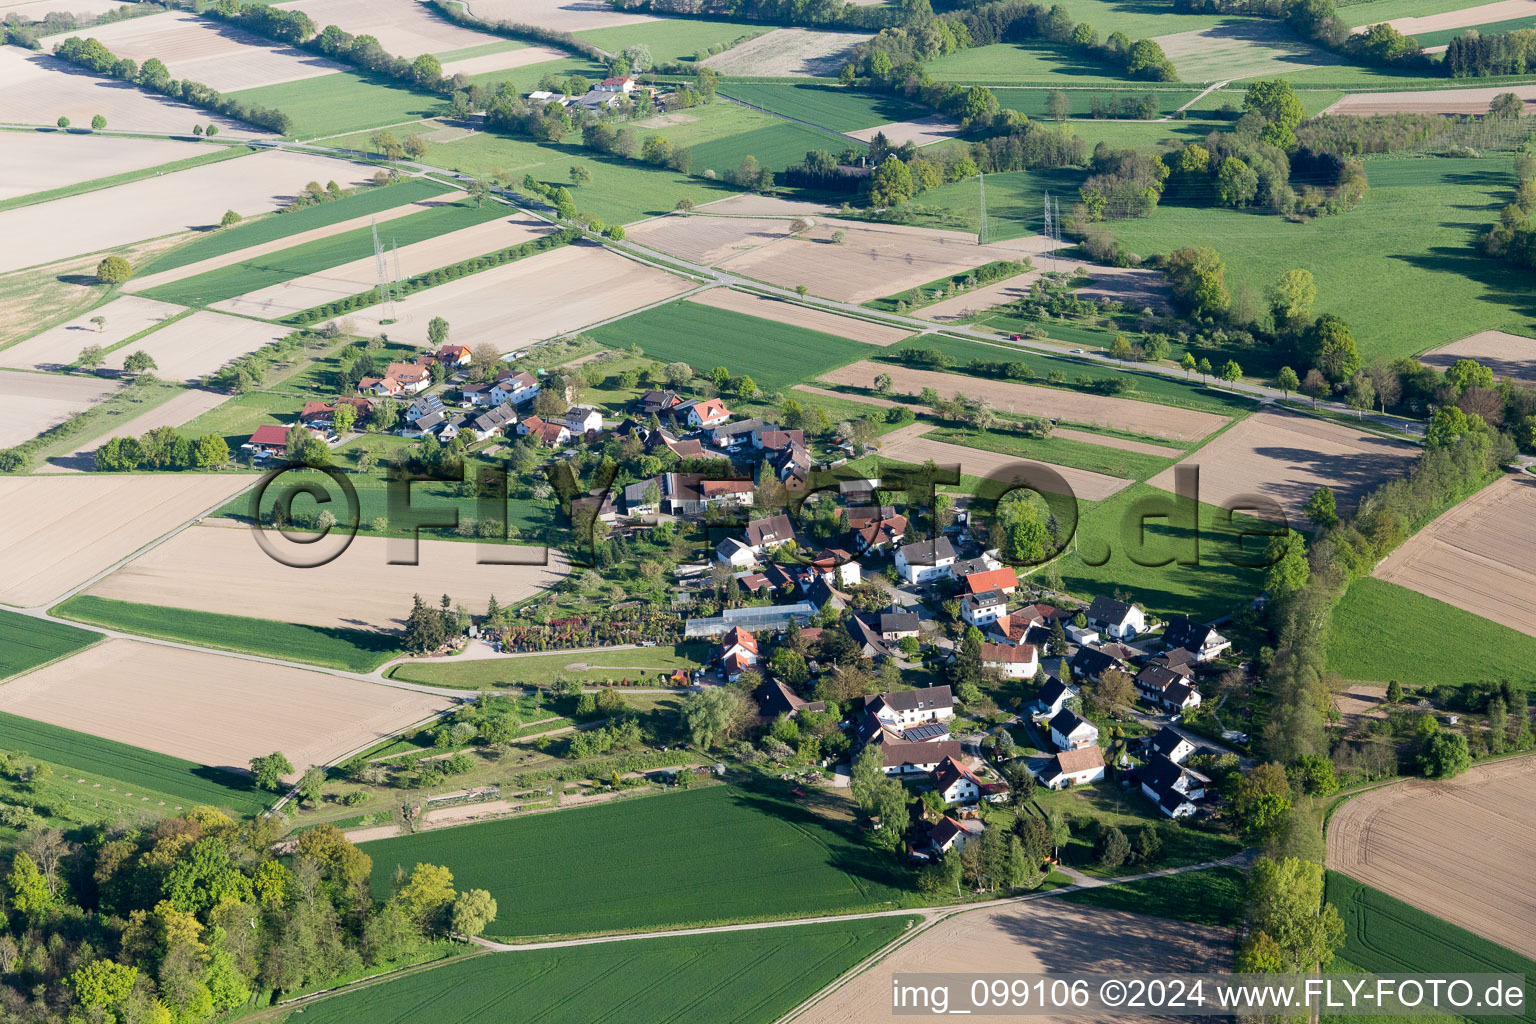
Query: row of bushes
x=933 y=359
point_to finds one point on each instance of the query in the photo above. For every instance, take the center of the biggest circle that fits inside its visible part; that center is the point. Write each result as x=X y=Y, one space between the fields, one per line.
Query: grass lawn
x=544 y=669
x=237 y=419
x=212 y=156
x=1419 y=219
x=353 y=650
x=775 y=355
x=748 y=977
x=343 y=101
x=1058 y=451
x=832 y=106
x=184 y=780
x=1127 y=810
x=26 y=643
x=1378 y=634
x=1214 y=896
x=923 y=295
x=711 y=855
x=321 y=254
x=671 y=39
x=280 y=225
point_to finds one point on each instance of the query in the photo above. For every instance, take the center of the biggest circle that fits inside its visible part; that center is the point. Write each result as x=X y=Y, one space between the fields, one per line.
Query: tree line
x=162 y=448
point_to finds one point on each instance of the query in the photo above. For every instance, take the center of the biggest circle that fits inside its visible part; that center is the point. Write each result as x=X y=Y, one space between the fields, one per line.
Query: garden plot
x=909 y=446
x=557 y=292
x=1359 y=702
x=873 y=260
x=60 y=531
x=1467 y=17
x=199 y=344
x=1480 y=556
x=58 y=346
x=403 y=27
x=1026 y=399
x=220 y=568
x=38 y=88
x=30 y=403
x=502 y=60
x=1241 y=48
x=194 y=198
x=213 y=709
x=922 y=132
x=40 y=161
x=184 y=408
x=784 y=312
x=1401 y=838
x=788 y=52
x=215 y=53
x=562 y=15
x=706 y=240
x=1287 y=456
x=1507 y=355
x=281 y=300
x=1429 y=101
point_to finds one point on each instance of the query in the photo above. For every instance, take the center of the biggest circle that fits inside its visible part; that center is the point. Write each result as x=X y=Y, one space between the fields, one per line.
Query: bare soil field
x=199 y=344
x=1359 y=702
x=35 y=9
x=212 y=709
x=1039 y=937
x=802 y=316
x=184 y=408
x=788 y=52
x=58 y=346
x=563 y=15
x=403 y=27
x=923 y=132
x=750 y=204
x=219 y=567
x=59 y=531
x=36 y=88
x=706 y=240
x=666 y=120
x=1429 y=101
x=1287 y=456
x=1136 y=288
x=1480 y=556
x=501 y=61
x=30 y=403
x=194 y=198
x=1507 y=355
x=1484 y=14
x=907 y=445
x=1240 y=49
x=1460 y=849
x=552 y=293
x=280 y=300
x=875 y=260
x=1098 y=410
x=40 y=161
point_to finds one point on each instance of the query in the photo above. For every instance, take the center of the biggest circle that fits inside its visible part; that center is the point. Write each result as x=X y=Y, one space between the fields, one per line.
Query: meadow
x=1139 y=19
x=748 y=977
x=133 y=766
x=343 y=101
x=1214 y=896
x=832 y=106
x=1378 y=634
x=1126 y=811
x=1491 y=28
x=672 y=39
x=545 y=669
x=1058 y=451
x=352 y=650
x=1374 y=12
x=1030 y=63
x=774 y=355
x=707 y=856
x=775 y=146
x=26 y=643
x=1035 y=102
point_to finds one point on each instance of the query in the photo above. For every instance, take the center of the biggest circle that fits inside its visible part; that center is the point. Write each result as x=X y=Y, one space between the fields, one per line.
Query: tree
x=98 y=123
x=437 y=331
x=1285 y=903
x=1231 y=372
x=344 y=418
x=416 y=147
x=1361 y=393
x=1187 y=363
x=1331 y=348
x=269 y=770
x=99 y=322
x=427 y=69
x=1204 y=367
x=891 y=184
x=1114 y=689
x=1445 y=755
x=1394 y=692
x=1286 y=381
x=426 y=895
x=311 y=785
x=1276 y=101
x=113 y=270
x=140 y=362
x=1112 y=848
x=424 y=630
x=1315 y=386
x=1196 y=280
x=90 y=357
x=1292 y=297
x=1322 y=508
x=1262 y=800
x=1506 y=105
x=1058 y=106
x=63 y=122
x=103 y=985
x=1236 y=182
x=711 y=716
x=1288 y=568
x=230 y=219
x=472 y=912
x=211 y=130
x=1120 y=348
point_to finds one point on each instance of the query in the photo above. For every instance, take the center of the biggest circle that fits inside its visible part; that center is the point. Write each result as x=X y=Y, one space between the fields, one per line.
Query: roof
x=774 y=439
x=1107 y=609
x=1053 y=690
x=736 y=635
x=1068 y=721
x=686 y=449
x=1092 y=661
x=1164 y=741
x=270 y=434
x=926 y=732
x=711 y=409
x=1179 y=692
x=992 y=579
x=494 y=419
x=951 y=771
x=730 y=546
x=1080 y=760
x=948 y=830
x=1008 y=654
x=898 y=622
x=899 y=752
x=773 y=530
x=917 y=700
x=726 y=430
x=774 y=698
x=1184 y=633
x=1156 y=677
x=928 y=552
x=989 y=599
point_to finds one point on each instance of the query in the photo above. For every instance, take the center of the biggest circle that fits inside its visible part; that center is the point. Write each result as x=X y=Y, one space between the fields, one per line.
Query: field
x=1212 y=897
x=1031 y=63
x=924 y=131
x=1507 y=355
x=1397 y=838
x=1378 y=634
x=1463 y=18
x=706 y=240
x=910 y=447
x=187 y=405
x=197 y=345
x=1241 y=48
x=26 y=643
x=775 y=355
x=183 y=201
x=775 y=146
x=1025 y=399
x=58 y=346
x=1431 y=101
x=831 y=106
x=1480 y=556
x=60 y=531
x=220 y=568
x=30 y=9
x=41 y=161
x=210 y=709
x=785 y=312
x=345 y=101
x=1080 y=449
x=748 y=977
x=750 y=857
x=788 y=52
x=1043 y=936
x=1034 y=102
x=402 y=27
x=590 y=667
x=1286 y=457
x=1374 y=12
x=1138 y=289
x=30 y=403
x=671 y=39
x=561 y=15
x=1421 y=217
x=501 y=56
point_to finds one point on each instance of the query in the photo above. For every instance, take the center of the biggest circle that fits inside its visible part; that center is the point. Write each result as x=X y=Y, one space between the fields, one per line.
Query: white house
x=1167 y=688
x=1071 y=768
x=426 y=405
x=580 y=419
x=1015 y=662
x=475 y=395
x=981 y=610
x=903 y=708
x=950 y=834
x=1202 y=641
x=772 y=532
x=838 y=568
x=1070 y=732
x=925 y=561
x=1172 y=787
x=735 y=553
x=916 y=757
x=710 y=413
x=516 y=388
x=1117 y=618
x=737 y=653
x=956 y=783
x=1169 y=744
x=1053 y=697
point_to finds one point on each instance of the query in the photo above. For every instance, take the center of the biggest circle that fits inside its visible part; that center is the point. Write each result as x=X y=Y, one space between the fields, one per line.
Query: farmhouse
x=735 y=553
x=323 y=414
x=837 y=567
x=384 y=387
x=1069 y=768
x=475 y=395
x=691 y=493
x=1202 y=641
x=772 y=439
x=925 y=561
x=1092 y=662
x=1070 y=732
x=906 y=708
x=1116 y=618
x=268 y=441
x=1173 y=787
x=1014 y=662
x=905 y=757
x=728 y=434
x=659 y=403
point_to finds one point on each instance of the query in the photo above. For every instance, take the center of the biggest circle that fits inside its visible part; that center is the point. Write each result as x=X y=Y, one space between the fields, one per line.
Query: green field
x=1213 y=896
x=275 y=226
x=774 y=355
x=184 y=780
x=1058 y=451
x=1033 y=102
x=831 y=106
x=1139 y=19
x=775 y=146
x=343 y=101
x=1441 y=38
x=212 y=156
x=353 y=650
x=544 y=669
x=672 y=39
x=1387 y=936
x=1376 y=11
x=322 y=254
x=749 y=977
x=707 y=856
x=1107 y=805
x=1378 y=634
x=26 y=643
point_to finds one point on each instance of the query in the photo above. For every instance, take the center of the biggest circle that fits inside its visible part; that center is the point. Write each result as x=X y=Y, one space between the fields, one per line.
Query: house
x=548 y=433
x=775 y=699
x=690 y=449
x=974 y=566
x=925 y=561
x=1178 y=659
x=1181 y=697
x=728 y=434
x=837 y=567
x=476 y=396
x=1069 y=768
x=1203 y=641
x=768 y=534
x=430 y=423
x=876 y=527
x=583 y=419
x=268 y=441
x=956 y=783
x=896 y=626
x=1080 y=634
x=1092 y=662
x=323 y=414
x=1169 y=744
x=623 y=84
x=384 y=387
x=1003 y=580
x=903 y=708
x=1054 y=696
x=908 y=757
x=453 y=355
x=659 y=403
x=709 y=413
x=1173 y=787
x=1167 y=688
x=516 y=388
x=1116 y=618
x=1019 y=662
x=950 y=834
x=493 y=421
x=754 y=583
x=735 y=553
x=1070 y=732
x=770 y=438
x=723 y=493
x=423 y=406
x=596 y=100
x=636 y=501
x=866 y=634
x=451 y=428
x=412 y=377
x=736 y=654
x=981 y=610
